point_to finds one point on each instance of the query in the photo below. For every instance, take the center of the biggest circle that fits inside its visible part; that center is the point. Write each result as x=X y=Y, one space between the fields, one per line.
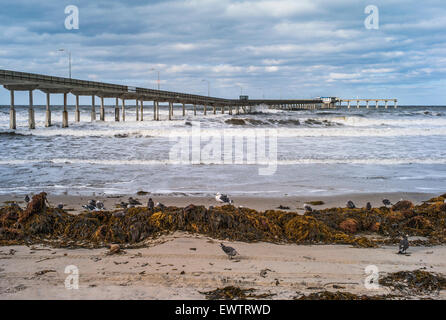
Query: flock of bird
x=94 y=205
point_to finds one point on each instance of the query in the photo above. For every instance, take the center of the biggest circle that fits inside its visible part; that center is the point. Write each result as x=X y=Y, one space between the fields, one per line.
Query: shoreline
x=73 y=203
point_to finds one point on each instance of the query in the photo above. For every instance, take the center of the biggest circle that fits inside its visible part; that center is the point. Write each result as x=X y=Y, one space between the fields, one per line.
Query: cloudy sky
x=270 y=48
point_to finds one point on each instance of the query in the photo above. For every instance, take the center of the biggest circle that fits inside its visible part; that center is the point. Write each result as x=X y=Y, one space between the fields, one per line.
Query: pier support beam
x=222 y=109
x=123 y=110
x=237 y=110
x=77 y=114
x=12 y=115
x=184 y=109
x=387 y=104
x=377 y=104
x=102 y=111
x=142 y=110
x=396 y=104
x=230 y=110
x=93 y=109
x=157 y=111
x=48 y=111
x=154 y=110
x=195 y=109
x=204 y=111
x=137 y=109
x=65 y=111
x=170 y=110
x=31 y=120
x=357 y=104
x=117 y=110
x=215 y=109
x=367 y=104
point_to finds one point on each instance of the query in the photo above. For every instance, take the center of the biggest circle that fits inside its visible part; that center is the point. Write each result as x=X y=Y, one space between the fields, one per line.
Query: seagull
x=160 y=205
x=223 y=198
x=351 y=205
x=134 y=202
x=150 y=204
x=231 y=252
x=308 y=208
x=99 y=205
x=368 y=206
x=92 y=203
x=89 y=207
x=404 y=245
x=27 y=199
x=60 y=206
x=387 y=202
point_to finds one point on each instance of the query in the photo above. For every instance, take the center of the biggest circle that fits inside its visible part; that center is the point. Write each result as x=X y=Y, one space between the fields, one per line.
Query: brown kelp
x=415 y=282
x=338 y=295
x=235 y=293
x=42 y=223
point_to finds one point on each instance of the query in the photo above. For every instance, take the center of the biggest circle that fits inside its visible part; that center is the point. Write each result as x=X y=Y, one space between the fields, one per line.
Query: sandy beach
x=180 y=266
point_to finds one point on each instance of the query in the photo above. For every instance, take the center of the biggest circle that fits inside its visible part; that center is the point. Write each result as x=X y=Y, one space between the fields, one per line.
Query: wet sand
x=180 y=265
x=295 y=203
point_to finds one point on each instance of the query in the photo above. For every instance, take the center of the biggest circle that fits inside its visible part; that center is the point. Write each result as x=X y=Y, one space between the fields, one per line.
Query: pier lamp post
x=157 y=71
x=69 y=60
x=209 y=86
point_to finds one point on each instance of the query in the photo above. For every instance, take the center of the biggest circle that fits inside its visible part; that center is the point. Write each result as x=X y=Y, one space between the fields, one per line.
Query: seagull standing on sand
x=308 y=208
x=231 y=252
x=223 y=198
x=351 y=205
x=387 y=202
x=404 y=245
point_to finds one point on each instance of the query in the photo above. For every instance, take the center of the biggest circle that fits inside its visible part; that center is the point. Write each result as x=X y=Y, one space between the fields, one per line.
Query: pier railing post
x=31 y=119
x=65 y=111
x=12 y=114
x=48 y=111
x=77 y=114
x=93 y=109
x=117 y=110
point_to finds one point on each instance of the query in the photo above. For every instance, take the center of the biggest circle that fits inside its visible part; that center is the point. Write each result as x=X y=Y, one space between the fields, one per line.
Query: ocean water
x=324 y=152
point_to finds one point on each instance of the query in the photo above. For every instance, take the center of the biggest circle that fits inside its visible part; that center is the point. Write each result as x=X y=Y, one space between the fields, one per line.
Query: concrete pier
x=195 y=109
x=12 y=114
x=215 y=109
x=102 y=110
x=31 y=119
x=204 y=111
x=137 y=109
x=48 y=111
x=77 y=113
x=93 y=109
x=65 y=111
x=222 y=109
x=117 y=110
x=230 y=110
x=157 y=111
x=123 y=110
x=154 y=110
x=184 y=109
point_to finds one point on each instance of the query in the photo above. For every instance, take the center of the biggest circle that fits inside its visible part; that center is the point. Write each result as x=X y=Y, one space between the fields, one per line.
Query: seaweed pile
x=416 y=282
x=338 y=295
x=40 y=223
x=235 y=293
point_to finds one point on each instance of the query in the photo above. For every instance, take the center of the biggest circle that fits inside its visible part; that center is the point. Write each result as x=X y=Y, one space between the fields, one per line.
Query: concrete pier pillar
x=154 y=110
x=123 y=109
x=396 y=104
x=357 y=102
x=48 y=111
x=367 y=104
x=65 y=111
x=12 y=115
x=195 y=109
x=184 y=109
x=137 y=109
x=77 y=114
x=170 y=110
x=222 y=109
x=237 y=110
x=204 y=111
x=93 y=109
x=157 y=111
x=142 y=110
x=387 y=104
x=230 y=110
x=377 y=104
x=102 y=111
x=215 y=109
x=117 y=110
x=31 y=120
